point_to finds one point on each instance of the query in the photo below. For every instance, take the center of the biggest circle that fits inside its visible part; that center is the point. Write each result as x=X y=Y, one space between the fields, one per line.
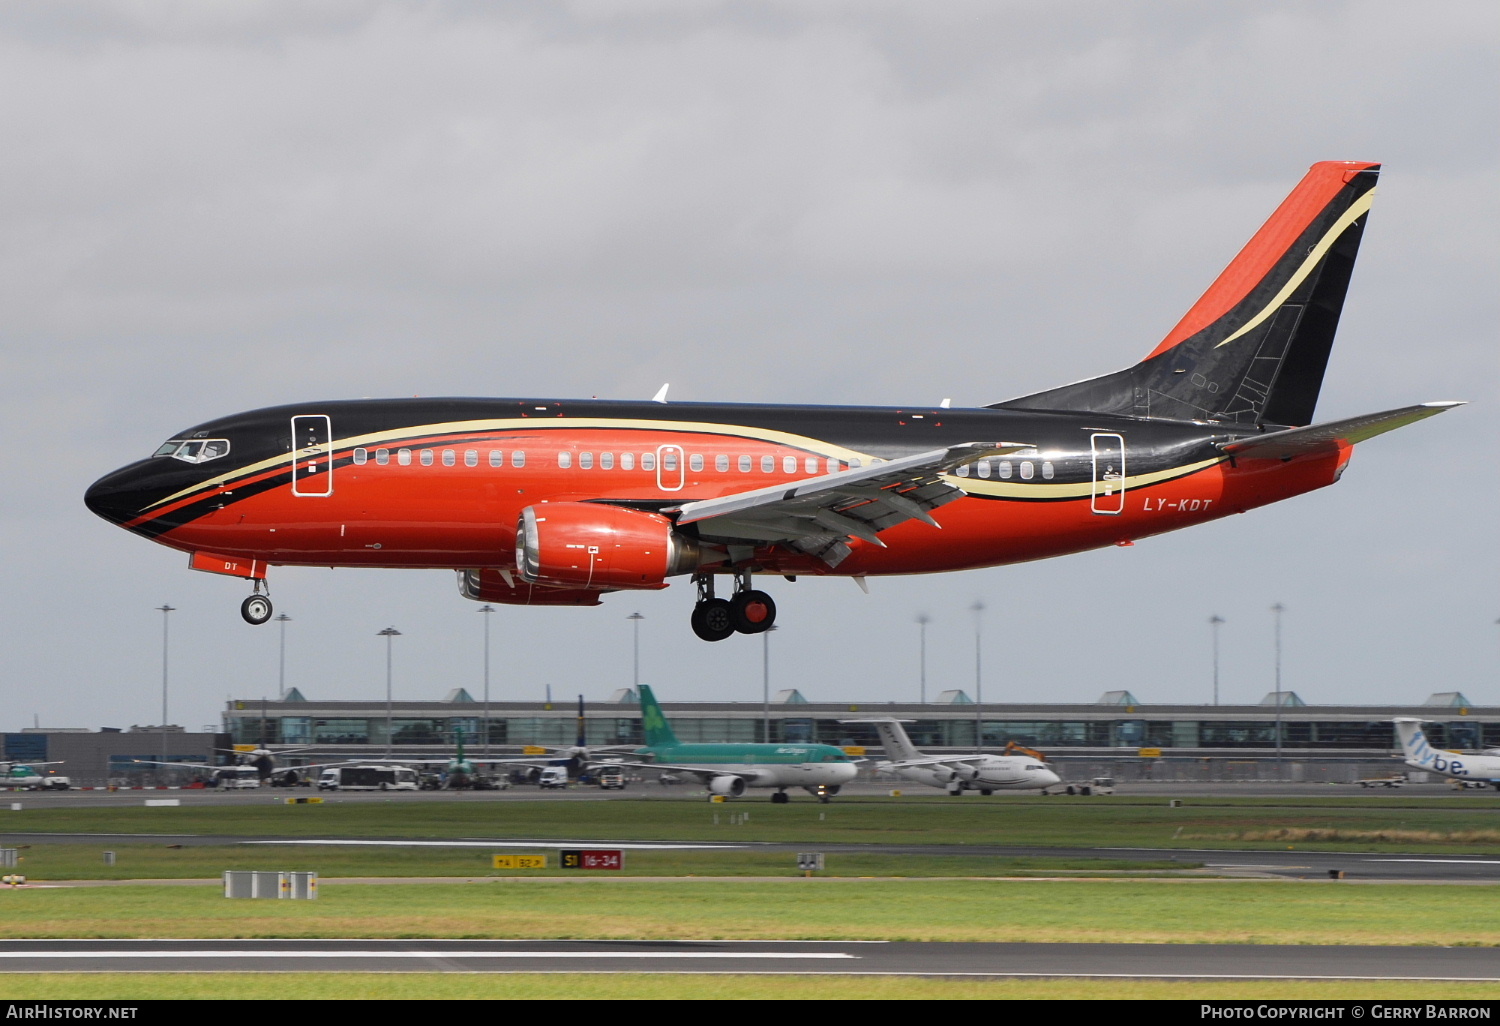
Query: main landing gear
x=747 y=611
x=257 y=608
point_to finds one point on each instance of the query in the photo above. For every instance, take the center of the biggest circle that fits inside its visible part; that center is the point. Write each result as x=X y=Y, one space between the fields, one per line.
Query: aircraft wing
x=937 y=760
x=703 y=773
x=1317 y=437
x=23 y=762
x=820 y=514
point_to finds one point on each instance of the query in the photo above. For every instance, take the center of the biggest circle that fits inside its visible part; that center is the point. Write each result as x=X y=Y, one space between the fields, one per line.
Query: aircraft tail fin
x=658 y=732
x=1254 y=347
x=893 y=736
x=1413 y=739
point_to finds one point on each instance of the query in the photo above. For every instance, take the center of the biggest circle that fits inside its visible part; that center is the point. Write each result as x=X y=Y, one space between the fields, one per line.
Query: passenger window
x=1026 y=470
x=648 y=461
x=471 y=457
x=669 y=460
x=695 y=462
x=518 y=458
x=565 y=459
x=832 y=465
x=426 y=457
x=721 y=463
x=606 y=461
x=1005 y=469
x=962 y=471
x=449 y=458
x=403 y=457
x=744 y=464
x=1047 y=470
x=855 y=463
x=361 y=457
x=382 y=456
x=788 y=464
x=627 y=461
x=586 y=461
x=983 y=466
x=767 y=464
x=810 y=465
x=497 y=457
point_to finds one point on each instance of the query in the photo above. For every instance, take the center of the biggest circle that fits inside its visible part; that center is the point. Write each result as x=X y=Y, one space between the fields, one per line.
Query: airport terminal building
x=1118 y=735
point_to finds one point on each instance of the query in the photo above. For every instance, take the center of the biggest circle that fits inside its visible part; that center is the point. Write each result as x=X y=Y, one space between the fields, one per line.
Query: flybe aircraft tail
x=1253 y=349
x=658 y=732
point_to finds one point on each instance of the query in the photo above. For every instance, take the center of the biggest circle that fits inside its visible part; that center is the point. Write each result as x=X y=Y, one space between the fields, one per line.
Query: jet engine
x=727 y=785
x=586 y=545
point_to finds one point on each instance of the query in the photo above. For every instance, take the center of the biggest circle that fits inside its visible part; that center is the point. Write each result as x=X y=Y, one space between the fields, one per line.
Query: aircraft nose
x=117 y=497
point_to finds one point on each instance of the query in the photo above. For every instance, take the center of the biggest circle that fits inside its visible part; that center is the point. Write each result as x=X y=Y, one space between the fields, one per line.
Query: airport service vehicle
x=26 y=775
x=237 y=777
x=957 y=773
x=552 y=778
x=368 y=778
x=1099 y=785
x=610 y=778
x=1484 y=767
x=728 y=769
x=559 y=501
x=1394 y=780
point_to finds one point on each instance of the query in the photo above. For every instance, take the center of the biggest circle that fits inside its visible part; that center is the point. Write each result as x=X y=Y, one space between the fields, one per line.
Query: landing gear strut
x=748 y=611
x=257 y=608
x=779 y=798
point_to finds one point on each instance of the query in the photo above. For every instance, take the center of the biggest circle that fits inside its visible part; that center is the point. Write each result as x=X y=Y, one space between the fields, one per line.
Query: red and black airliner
x=560 y=501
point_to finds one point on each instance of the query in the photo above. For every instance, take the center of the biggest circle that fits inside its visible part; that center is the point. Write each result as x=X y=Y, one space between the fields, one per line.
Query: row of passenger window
x=608 y=461
x=1004 y=470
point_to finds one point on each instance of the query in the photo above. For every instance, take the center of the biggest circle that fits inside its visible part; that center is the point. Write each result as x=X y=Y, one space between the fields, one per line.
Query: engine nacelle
x=731 y=787
x=592 y=546
x=489 y=586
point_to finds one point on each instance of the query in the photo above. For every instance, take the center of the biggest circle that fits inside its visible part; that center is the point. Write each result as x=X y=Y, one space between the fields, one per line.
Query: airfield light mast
x=635 y=622
x=388 y=634
x=978 y=609
x=486 y=610
x=1214 y=622
x=1278 y=609
x=922 y=621
x=282 y=620
x=166 y=611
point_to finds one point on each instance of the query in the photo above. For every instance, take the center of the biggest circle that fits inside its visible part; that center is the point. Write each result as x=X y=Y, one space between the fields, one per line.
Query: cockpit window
x=194 y=450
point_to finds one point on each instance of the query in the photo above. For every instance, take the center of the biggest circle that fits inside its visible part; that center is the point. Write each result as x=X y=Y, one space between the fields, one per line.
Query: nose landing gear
x=747 y=611
x=257 y=608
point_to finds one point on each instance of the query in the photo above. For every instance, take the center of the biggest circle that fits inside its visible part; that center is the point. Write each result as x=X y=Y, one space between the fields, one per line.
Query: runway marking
x=1457 y=862
x=501 y=844
x=430 y=953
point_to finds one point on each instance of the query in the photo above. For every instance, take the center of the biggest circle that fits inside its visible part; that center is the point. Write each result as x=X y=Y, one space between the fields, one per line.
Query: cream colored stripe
x=513 y=423
x=1360 y=206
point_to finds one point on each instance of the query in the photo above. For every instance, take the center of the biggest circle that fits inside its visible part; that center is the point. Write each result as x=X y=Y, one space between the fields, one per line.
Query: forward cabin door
x=1109 y=473
x=312 y=455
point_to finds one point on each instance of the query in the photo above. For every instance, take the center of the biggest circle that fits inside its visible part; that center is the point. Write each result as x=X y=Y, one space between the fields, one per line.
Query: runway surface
x=1134 y=961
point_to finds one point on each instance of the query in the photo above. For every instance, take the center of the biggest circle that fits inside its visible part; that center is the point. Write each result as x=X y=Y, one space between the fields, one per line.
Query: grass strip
x=1116 y=911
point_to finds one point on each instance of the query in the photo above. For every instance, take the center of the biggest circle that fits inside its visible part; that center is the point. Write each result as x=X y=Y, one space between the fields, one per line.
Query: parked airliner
x=559 y=502
x=1484 y=766
x=956 y=774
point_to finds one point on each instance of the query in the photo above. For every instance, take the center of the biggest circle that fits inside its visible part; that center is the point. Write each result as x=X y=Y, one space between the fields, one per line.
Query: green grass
x=1113 y=911
x=137 y=861
x=1457 y=823
x=640 y=986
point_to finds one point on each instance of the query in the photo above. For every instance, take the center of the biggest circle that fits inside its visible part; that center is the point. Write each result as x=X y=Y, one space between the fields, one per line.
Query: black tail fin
x=1253 y=349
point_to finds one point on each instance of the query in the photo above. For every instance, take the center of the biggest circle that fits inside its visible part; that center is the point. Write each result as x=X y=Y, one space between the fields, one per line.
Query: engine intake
x=591 y=546
x=727 y=785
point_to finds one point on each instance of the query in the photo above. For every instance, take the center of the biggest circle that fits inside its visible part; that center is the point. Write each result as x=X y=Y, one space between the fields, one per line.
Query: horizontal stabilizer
x=1319 y=437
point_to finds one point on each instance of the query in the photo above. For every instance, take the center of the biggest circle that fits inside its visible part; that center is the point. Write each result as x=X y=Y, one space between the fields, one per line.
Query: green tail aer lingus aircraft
x=727 y=769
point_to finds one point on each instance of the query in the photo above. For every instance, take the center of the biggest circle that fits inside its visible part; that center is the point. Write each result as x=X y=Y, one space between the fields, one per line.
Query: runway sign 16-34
x=593 y=859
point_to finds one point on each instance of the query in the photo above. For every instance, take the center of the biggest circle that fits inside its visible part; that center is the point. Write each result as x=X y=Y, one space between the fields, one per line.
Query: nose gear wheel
x=256 y=609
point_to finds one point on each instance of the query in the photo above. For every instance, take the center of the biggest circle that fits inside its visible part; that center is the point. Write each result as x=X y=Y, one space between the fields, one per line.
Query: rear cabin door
x=1109 y=473
x=312 y=455
x=670 y=472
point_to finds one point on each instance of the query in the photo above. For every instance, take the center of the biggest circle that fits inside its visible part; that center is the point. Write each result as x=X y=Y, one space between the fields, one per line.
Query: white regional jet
x=1421 y=755
x=957 y=773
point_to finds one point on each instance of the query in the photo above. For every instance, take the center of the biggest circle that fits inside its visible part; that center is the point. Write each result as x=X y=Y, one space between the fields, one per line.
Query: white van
x=552 y=778
x=368 y=778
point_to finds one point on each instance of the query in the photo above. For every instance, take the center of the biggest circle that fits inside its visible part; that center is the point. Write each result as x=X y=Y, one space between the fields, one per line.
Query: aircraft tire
x=753 y=611
x=713 y=620
x=986 y=791
x=256 y=609
x=780 y=798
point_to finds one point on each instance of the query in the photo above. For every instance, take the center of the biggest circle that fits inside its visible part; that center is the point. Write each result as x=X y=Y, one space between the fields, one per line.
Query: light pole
x=283 y=620
x=1277 y=610
x=922 y=621
x=765 y=683
x=1214 y=622
x=388 y=634
x=486 y=610
x=978 y=610
x=635 y=622
x=166 y=611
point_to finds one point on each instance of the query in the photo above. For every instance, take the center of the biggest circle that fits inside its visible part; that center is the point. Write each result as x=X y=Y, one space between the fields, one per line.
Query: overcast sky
x=206 y=208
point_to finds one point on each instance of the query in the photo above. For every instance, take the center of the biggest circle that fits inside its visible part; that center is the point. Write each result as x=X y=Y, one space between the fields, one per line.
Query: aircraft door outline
x=312 y=455
x=1109 y=473
x=670 y=479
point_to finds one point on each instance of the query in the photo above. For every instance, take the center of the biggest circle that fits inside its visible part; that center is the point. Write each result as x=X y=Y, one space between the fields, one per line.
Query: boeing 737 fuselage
x=558 y=502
